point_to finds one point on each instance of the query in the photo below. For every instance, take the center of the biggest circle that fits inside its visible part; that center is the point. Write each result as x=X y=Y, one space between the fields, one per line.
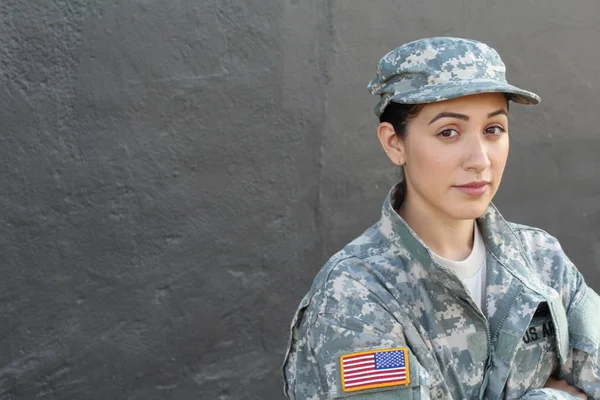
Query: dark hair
x=399 y=115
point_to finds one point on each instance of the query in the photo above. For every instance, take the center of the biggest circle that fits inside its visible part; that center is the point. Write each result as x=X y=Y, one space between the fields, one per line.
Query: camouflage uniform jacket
x=384 y=291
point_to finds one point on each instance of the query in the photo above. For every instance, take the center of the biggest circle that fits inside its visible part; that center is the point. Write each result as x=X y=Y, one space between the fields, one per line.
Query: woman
x=442 y=298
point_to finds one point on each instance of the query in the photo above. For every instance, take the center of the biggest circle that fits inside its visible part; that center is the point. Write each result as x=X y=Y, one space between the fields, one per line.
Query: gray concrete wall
x=174 y=173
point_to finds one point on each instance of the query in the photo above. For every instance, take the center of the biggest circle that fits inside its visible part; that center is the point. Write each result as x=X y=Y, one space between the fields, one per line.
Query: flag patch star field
x=374 y=369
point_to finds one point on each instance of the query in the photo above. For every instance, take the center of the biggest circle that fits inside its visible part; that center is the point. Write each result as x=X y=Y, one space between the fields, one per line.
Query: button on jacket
x=385 y=291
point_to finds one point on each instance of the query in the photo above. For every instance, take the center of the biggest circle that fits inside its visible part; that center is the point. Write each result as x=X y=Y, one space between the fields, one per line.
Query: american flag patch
x=374 y=369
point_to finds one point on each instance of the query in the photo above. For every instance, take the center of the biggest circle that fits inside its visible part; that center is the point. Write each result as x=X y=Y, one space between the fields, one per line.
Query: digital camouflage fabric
x=442 y=68
x=385 y=291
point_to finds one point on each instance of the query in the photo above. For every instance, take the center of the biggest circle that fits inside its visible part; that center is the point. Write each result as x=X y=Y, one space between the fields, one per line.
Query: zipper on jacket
x=490 y=350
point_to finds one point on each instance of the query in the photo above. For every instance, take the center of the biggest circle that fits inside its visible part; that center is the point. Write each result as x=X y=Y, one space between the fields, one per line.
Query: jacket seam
x=577 y=300
x=328 y=276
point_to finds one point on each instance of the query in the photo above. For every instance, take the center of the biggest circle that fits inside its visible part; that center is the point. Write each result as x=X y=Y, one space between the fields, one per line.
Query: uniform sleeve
x=582 y=368
x=335 y=335
x=352 y=321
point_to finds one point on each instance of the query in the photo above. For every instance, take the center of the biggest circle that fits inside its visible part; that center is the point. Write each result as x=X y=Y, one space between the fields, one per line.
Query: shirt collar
x=472 y=264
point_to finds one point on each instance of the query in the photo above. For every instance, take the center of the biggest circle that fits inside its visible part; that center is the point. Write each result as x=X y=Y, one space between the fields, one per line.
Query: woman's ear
x=392 y=145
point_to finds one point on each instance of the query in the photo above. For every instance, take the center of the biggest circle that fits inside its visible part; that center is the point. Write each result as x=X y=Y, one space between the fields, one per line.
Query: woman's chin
x=469 y=211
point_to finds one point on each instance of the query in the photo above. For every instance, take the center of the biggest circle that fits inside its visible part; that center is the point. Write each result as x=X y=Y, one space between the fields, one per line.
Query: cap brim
x=452 y=90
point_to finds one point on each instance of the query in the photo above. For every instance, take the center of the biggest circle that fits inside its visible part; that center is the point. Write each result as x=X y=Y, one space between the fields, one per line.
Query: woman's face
x=454 y=154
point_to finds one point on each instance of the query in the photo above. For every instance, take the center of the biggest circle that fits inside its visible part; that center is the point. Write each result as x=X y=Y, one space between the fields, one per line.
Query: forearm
x=549 y=394
x=582 y=372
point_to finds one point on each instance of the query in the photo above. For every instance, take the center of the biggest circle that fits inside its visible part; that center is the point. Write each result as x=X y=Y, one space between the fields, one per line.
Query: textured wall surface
x=174 y=173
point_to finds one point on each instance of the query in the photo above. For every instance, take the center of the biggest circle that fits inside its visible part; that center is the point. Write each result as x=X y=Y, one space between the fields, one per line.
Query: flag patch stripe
x=366 y=362
x=358 y=369
x=371 y=381
x=385 y=375
x=357 y=358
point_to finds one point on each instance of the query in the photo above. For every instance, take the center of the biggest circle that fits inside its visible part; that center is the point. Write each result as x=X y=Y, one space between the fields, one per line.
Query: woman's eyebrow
x=464 y=117
x=498 y=112
x=449 y=115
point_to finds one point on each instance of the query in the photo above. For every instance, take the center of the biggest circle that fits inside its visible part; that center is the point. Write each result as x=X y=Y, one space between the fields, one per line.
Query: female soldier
x=442 y=298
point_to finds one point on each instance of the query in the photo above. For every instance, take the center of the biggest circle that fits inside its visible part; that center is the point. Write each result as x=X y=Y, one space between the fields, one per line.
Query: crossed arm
x=563 y=386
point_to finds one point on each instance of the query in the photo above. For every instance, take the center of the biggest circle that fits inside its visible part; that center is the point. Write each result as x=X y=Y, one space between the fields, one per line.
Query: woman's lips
x=474 y=189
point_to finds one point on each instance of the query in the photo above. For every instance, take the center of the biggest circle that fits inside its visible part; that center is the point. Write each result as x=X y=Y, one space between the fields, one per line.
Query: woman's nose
x=477 y=157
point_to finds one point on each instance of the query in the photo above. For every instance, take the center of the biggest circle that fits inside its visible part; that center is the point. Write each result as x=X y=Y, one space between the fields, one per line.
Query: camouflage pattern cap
x=442 y=68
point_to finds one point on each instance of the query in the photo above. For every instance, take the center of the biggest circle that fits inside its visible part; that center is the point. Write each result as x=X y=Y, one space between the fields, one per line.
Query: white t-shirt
x=471 y=270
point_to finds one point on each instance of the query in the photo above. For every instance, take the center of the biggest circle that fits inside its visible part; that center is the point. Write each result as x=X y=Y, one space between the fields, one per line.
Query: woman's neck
x=449 y=238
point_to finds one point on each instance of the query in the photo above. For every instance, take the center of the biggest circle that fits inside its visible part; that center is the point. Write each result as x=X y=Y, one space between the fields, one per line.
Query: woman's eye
x=448 y=133
x=495 y=130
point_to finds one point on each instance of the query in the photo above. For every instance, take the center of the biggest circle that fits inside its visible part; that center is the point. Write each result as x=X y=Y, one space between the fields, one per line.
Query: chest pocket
x=536 y=357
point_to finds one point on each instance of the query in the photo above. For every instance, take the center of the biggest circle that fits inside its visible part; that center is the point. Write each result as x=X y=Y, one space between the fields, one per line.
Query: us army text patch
x=536 y=333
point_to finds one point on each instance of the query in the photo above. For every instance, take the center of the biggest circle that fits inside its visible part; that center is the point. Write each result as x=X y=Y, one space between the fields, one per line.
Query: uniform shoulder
x=345 y=282
x=526 y=228
x=353 y=275
x=535 y=239
x=355 y=255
